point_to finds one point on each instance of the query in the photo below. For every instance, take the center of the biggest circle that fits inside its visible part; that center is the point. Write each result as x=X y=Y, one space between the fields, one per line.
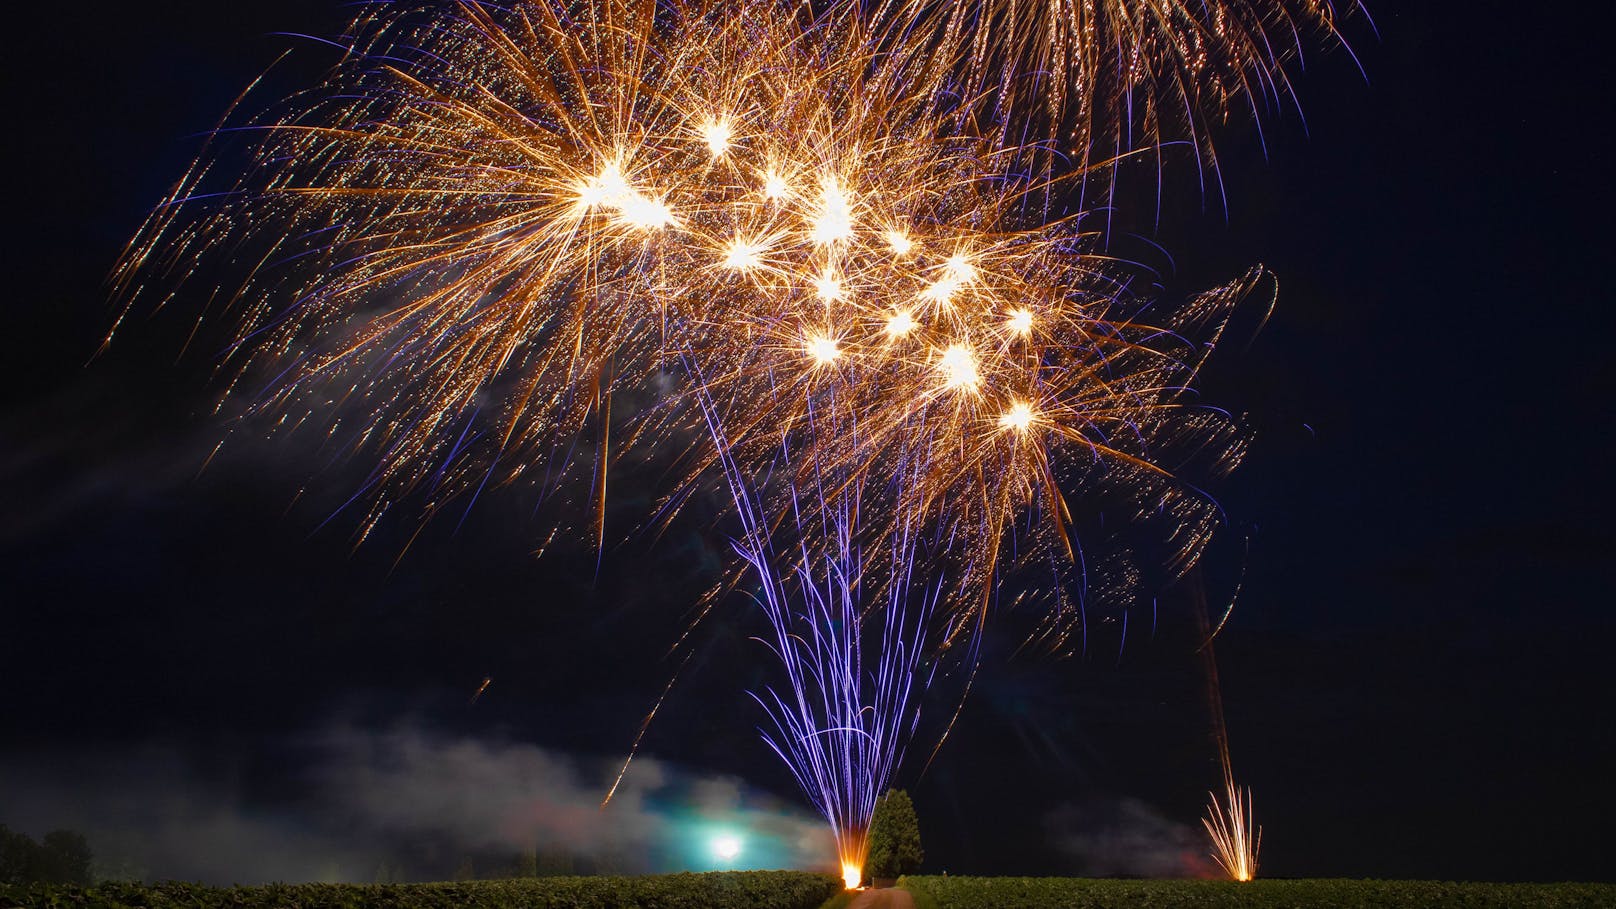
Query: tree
x=67 y=858
x=16 y=856
x=62 y=858
x=894 y=837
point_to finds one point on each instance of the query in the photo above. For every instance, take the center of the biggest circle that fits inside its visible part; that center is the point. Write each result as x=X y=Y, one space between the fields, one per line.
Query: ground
x=883 y=898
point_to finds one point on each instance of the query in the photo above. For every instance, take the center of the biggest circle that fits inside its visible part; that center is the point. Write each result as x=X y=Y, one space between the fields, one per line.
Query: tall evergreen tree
x=894 y=837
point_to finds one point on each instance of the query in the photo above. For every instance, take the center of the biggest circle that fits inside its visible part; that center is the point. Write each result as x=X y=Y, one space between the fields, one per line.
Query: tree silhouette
x=63 y=857
x=894 y=837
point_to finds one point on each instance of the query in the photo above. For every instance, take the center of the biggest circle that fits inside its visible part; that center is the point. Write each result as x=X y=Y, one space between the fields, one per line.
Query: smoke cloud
x=402 y=803
x=1126 y=837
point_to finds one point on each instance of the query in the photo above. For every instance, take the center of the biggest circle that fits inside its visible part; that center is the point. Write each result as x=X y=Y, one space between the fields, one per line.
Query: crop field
x=718 y=890
x=802 y=890
x=1079 y=893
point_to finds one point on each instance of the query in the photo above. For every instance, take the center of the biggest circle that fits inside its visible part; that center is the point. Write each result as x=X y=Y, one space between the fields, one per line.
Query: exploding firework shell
x=489 y=221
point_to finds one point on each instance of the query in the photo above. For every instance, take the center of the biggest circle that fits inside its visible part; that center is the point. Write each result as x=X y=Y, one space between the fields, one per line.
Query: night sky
x=1416 y=675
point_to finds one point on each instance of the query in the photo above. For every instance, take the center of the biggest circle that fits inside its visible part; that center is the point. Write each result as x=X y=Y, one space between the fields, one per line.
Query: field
x=719 y=890
x=800 y=890
x=1078 y=893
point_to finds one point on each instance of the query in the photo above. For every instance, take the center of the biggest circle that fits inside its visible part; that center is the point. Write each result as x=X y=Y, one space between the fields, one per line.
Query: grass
x=717 y=890
x=800 y=890
x=1079 y=893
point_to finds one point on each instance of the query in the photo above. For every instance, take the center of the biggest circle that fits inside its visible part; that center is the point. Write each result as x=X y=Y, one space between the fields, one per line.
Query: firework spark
x=1108 y=77
x=1236 y=838
x=852 y=675
x=489 y=222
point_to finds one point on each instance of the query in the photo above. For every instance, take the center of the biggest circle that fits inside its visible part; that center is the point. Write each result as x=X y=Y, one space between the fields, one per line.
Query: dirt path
x=884 y=898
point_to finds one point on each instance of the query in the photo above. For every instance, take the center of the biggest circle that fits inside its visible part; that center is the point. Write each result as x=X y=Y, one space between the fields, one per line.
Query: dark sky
x=1416 y=677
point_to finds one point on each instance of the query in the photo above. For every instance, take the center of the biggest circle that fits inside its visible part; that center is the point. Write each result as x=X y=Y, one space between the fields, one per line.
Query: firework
x=1108 y=77
x=1231 y=824
x=481 y=211
x=492 y=221
x=1235 y=836
x=489 y=222
x=852 y=671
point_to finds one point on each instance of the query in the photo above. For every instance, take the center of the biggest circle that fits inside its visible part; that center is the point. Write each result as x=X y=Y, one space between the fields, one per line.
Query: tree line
x=60 y=857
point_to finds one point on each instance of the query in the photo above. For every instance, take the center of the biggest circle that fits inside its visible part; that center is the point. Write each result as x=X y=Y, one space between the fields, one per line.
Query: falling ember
x=1236 y=838
x=645 y=213
x=824 y=350
x=957 y=272
x=958 y=366
x=828 y=287
x=630 y=207
x=1020 y=321
x=775 y=186
x=1018 y=417
x=607 y=190
x=941 y=291
x=834 y=221
x=900 y=324
x=960 y=268
x=717 y=135
x=590 y=194
x=741 y=255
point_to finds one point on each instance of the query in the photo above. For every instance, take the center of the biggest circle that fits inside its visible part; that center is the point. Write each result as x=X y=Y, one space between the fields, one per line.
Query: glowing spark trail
x=1236 y=838
x=849 y=631
x=1107 y=77
x=1232 y=826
